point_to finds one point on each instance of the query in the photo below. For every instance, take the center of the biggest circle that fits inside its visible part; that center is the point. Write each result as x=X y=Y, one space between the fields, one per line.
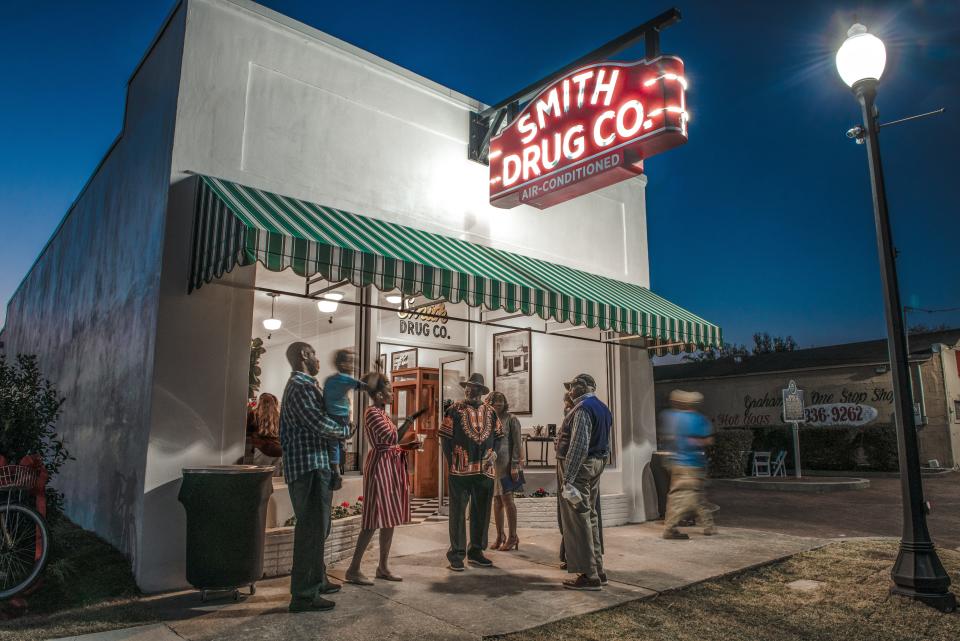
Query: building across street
x=843 y=385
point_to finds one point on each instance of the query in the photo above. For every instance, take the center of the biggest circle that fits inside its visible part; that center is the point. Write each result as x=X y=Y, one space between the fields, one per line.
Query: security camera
x=856 y=133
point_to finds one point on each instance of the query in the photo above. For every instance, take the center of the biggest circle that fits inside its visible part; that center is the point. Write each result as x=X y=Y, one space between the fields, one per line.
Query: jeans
x=310 y=495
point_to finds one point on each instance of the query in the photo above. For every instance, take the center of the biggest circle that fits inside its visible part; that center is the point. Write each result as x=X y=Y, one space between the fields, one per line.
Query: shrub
x=879 y=445
x=29 y=409
x=828 y=448
x=727 y=457
x=872 y=447
x=773 y=439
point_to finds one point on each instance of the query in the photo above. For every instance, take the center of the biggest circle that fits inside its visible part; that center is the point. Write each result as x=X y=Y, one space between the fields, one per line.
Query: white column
x=638 y=432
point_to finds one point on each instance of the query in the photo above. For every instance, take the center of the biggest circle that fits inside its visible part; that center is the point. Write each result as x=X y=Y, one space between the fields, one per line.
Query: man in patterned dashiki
x=304 y=431
x=469 y=434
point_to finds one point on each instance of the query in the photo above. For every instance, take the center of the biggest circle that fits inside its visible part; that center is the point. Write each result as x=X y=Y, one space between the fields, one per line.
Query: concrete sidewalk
x=522 y=591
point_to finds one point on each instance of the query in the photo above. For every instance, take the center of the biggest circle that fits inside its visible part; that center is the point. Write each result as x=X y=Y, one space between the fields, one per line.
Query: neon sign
x=590 y=129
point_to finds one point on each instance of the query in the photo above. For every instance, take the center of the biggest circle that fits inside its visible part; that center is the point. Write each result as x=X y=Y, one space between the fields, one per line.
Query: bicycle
x=24 y=537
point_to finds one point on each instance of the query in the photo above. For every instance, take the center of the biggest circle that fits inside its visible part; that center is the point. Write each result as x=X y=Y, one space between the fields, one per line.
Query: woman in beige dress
x=509 y=461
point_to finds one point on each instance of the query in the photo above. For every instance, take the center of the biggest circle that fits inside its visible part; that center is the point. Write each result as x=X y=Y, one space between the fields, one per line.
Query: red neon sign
x=590 y=129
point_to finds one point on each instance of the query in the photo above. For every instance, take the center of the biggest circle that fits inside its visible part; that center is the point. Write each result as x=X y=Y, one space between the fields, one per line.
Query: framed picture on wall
x=403 y=360
x=511 y=369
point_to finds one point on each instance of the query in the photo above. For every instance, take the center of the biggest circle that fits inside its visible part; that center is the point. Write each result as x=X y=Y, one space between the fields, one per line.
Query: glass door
x=453 y=370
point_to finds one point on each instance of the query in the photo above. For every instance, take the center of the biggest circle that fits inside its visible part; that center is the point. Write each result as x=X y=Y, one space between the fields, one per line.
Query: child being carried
x=336 y=389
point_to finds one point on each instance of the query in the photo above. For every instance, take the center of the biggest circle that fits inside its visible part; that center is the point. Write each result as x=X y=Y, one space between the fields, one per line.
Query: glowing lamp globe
x=329 y=303
x=861 y=57
x=272 y=324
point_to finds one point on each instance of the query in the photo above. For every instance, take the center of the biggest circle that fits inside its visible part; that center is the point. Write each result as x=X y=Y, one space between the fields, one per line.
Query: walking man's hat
x=477 y=381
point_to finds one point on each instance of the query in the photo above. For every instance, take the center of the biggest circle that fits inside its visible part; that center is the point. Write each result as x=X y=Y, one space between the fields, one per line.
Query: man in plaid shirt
x=304 y=430
x=583 y=445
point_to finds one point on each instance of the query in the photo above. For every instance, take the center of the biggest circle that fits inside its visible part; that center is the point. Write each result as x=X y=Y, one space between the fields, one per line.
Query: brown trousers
x=686 y=497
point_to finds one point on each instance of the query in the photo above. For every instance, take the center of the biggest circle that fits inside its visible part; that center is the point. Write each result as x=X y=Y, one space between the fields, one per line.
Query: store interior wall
x=554 y=360
x=273 y=364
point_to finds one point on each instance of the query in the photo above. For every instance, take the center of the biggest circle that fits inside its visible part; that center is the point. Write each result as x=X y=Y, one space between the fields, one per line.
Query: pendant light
x=329 y=303
x=273 y=323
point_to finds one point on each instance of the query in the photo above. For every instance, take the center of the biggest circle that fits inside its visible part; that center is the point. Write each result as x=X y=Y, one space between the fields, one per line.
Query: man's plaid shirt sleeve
x=579 y=445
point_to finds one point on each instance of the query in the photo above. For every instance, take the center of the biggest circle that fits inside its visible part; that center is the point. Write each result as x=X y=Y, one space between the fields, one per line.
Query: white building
x=233 y=101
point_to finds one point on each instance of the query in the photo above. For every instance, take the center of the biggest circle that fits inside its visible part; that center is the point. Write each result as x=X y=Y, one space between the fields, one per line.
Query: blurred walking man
x=689 y=432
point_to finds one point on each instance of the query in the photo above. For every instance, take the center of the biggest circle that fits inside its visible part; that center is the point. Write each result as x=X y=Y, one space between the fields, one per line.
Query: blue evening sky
x=762 y=222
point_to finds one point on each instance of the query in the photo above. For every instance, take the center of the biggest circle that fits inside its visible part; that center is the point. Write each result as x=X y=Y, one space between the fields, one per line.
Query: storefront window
x=326 y=321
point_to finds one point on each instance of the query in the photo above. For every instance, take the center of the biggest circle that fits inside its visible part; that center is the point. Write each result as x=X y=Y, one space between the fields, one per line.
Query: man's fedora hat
x=477 y=381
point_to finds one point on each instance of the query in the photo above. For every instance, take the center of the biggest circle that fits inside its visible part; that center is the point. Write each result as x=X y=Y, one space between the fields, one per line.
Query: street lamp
x=917 y=572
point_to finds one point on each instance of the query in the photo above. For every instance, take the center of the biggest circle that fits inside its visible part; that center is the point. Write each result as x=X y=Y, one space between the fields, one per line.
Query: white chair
x=761 y=463
x=779 y=467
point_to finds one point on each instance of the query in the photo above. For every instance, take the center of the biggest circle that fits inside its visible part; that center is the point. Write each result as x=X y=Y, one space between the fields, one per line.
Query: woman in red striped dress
x=386 y=492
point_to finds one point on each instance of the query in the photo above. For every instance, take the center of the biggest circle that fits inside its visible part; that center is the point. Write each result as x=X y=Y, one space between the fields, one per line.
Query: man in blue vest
x=583 y=446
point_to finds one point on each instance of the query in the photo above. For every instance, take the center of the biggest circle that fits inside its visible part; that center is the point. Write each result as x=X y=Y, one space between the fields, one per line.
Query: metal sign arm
x=486 y=123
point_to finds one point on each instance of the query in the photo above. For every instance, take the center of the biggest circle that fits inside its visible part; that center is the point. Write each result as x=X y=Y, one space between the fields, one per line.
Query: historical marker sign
x=793 y=404
x=793 y=413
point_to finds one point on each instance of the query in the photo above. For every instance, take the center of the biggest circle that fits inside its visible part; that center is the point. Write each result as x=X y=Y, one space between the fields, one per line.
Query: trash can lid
x=229 y=469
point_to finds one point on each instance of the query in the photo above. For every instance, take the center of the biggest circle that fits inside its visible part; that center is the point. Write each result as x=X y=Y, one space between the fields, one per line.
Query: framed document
x=511 y=369
x=403 y=360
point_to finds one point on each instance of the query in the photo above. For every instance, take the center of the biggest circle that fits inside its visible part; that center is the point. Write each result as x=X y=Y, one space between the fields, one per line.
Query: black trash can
x=226 y=509
x=660 y=466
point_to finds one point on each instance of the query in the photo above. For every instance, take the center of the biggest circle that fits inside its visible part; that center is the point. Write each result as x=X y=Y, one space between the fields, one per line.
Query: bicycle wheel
x=22 y=534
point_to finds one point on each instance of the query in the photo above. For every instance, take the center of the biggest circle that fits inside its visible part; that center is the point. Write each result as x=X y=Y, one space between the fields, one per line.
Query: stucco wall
x=274 y=104
x=88 y=307
x=950 y=364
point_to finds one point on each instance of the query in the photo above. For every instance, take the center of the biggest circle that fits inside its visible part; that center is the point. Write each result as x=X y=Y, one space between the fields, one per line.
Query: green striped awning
x=239 y=225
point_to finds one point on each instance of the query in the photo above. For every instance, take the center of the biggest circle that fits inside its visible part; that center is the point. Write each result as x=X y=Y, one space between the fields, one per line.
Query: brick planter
x=278 y=548
x=542 y=512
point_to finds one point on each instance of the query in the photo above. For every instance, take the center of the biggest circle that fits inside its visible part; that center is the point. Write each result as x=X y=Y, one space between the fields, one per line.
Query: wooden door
x=425 y=464
x=413 y=389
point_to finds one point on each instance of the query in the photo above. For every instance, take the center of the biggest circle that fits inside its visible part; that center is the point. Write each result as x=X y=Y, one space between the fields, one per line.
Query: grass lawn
x=851 y=603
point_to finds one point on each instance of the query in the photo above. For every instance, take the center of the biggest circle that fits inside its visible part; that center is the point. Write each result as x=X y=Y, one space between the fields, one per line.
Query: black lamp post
x=917 y=572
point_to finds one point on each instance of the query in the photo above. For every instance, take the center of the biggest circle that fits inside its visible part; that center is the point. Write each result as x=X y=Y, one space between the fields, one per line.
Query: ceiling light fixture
x=329 y=303
x=273 y=323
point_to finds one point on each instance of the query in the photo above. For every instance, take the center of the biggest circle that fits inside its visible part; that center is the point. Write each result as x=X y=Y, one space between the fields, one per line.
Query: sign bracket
x=486 y=123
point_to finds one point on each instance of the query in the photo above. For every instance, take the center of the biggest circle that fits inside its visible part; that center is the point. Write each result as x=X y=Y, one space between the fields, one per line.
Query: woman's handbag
x=509 y=485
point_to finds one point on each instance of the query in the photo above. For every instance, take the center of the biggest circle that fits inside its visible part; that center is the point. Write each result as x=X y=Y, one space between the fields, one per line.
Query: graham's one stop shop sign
x=590 y=129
